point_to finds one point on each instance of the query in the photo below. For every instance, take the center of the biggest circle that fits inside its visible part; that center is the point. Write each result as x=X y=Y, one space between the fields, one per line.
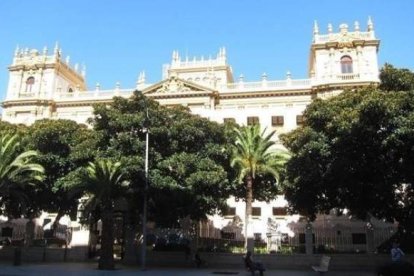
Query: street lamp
x=144 y=209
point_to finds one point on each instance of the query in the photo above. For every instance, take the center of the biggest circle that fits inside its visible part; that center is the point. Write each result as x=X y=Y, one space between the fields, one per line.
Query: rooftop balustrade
x=239 y=87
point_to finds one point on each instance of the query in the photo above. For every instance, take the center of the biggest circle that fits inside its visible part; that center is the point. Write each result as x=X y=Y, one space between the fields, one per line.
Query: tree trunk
x=248 y=231
x=56 y=222
x=131 y=252
x=106 y=260
x=30 y=232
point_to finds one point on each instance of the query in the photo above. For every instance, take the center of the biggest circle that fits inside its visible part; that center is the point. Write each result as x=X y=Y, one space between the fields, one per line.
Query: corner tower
x=35 y=80
x=344 y=56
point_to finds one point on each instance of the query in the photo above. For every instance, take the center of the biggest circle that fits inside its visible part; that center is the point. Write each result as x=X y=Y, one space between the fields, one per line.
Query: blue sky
x=118 y=39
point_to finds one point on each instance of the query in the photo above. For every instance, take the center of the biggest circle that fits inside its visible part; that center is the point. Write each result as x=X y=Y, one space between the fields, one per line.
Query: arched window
x=346 y=65
x=29 y=84
x=70 y=90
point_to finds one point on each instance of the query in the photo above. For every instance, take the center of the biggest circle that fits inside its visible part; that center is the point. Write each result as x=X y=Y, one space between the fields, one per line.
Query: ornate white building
x=43 y=85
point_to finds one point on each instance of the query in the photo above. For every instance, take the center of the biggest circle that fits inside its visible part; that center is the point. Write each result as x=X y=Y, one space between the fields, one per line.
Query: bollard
x=17 y=260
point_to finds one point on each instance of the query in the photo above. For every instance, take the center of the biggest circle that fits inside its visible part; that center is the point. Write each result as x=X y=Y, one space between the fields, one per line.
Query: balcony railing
x=239 y=87
x=322 y=38
x=266 y=85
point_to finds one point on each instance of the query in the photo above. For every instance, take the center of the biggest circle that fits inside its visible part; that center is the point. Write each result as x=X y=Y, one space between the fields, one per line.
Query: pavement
x=90 y=269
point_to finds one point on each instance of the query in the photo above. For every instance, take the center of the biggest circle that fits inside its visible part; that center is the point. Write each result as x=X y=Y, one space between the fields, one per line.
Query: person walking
x=396 y=253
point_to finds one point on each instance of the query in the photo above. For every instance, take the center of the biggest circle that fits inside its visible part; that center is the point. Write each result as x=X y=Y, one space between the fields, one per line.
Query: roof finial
x=83 y=73
x=264 y=76
x=288 y=75
x=67 y=59
x=45 y=51
x=315 y=28
x=16 y=52
x=56 y=49
x=370 y=24
x=330 y=28
x=356 y=26
x=141 y=78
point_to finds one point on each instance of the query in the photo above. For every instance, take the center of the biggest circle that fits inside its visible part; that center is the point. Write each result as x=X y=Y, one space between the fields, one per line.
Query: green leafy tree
x=102 y=183
x=188 y=157
x=354 y=152
x=63 y=146
x=17 y=171
x=396 y=79
x=253 y=157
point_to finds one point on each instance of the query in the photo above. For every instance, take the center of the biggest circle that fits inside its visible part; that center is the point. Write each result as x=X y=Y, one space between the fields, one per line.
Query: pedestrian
x=197 y=259
x=252 y=265
x=396 y=253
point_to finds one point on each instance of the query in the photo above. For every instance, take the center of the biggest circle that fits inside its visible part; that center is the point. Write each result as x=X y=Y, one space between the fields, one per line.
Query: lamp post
x=144 y=209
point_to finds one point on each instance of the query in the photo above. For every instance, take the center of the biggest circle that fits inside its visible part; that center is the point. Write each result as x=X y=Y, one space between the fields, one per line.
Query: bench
x=323 y=266
x=253 y=268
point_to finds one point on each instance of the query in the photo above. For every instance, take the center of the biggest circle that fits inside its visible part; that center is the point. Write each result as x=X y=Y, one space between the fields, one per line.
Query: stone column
x=309 y=239
x=369 y=230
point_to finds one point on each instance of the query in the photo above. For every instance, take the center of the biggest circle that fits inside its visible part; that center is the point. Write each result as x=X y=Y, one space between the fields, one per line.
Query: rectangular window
x=229 y=120
x=278 y=120
x=254 y=120
x=7 y=232
x=228 y=235
x=302 y=238
x=257 y=236
x=256 y=211
x=231 y=211
x=299 y=120
x=359 y=238
x=279 y=211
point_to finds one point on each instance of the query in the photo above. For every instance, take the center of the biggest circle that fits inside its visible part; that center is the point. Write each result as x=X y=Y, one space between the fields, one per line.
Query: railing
x=277 y=85
x=335 y=36
x=27 y=95
x=346 y=77
x=97 y=94
x=266 y=85
x=197 y=63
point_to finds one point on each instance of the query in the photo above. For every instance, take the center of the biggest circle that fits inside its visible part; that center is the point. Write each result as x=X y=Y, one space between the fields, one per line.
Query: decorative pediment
x=345 y=40
x=175 y=85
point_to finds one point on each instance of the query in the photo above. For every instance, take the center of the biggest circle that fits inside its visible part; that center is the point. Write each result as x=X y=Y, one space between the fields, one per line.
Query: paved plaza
x=62 y=269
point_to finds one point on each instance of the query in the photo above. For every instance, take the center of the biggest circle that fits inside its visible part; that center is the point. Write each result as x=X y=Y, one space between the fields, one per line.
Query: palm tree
x=253 y=155
x=103 y=183
x=17 y=168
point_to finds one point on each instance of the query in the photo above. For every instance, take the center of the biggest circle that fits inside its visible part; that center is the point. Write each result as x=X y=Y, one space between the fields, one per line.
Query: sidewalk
x=90 y=269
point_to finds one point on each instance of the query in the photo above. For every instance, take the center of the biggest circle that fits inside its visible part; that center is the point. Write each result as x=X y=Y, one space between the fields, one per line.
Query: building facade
x=43 y=85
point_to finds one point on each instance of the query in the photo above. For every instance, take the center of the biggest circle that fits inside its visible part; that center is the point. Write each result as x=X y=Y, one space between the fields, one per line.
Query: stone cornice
x=341 y=86
x=32 y=102
x=348 y=44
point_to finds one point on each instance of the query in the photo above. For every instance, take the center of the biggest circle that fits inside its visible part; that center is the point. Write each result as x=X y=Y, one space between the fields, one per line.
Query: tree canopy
x=355 y=152
x=63 y=146
x=18 y=169
x=188 y=156
x=396 y=79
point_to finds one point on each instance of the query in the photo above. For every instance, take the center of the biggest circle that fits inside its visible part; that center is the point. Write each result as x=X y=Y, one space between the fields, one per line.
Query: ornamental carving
x=346 y=41
x=174 y=85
